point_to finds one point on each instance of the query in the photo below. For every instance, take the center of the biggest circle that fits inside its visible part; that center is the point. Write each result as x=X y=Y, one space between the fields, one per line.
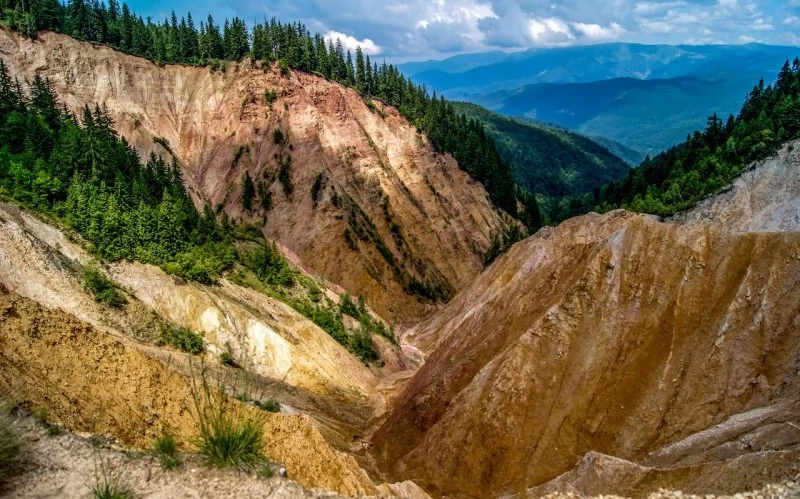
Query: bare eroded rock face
x=612 y=333
x=409 y=213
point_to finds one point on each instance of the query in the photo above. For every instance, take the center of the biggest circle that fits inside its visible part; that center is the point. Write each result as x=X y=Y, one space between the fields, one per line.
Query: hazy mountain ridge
x=645 y=115
x=591 y=63
x=647 y=97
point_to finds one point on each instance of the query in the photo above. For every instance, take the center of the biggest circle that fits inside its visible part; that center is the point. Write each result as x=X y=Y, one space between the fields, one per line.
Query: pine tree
x=361 y=73
x=248 y=192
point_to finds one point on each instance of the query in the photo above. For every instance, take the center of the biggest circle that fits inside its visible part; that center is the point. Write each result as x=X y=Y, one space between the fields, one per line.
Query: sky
x=432 y=29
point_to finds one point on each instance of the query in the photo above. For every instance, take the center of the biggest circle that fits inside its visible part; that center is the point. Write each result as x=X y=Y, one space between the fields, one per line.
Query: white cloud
x=649 y=8
x=746 y=39
x=656 y=27
x=350 y=42
x=761 y=25
x=549 y=30
x=597 y=32
x=792 y=21
x=448 y=25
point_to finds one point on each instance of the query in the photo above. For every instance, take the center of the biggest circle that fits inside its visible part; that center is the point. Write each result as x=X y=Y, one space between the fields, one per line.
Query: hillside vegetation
x=293 y=46
x=81 y=172
x=545 y=160
x=707 y=161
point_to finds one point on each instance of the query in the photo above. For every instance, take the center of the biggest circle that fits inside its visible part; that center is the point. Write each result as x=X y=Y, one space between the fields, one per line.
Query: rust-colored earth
x=612 y=333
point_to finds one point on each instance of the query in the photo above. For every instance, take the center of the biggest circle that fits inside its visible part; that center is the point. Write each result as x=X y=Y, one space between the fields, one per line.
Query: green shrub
x=325 y=318
x=166 y=450
x=229 y=436
x=226 y=359
x=316 y=188
x=347 y=307
x=277 y=136
x=9 y=442
x=42 y=415
x=239 y=153
x=265 y=195
x=432 y=292
x=284 y=67
x=270 y=405
x=248 y=191
x=285 y=176
x=270 y=96
x=204 y=264
x=361 y=346
x=181 y=338
x=269 y=266
x=102 y=288
x=350 y=240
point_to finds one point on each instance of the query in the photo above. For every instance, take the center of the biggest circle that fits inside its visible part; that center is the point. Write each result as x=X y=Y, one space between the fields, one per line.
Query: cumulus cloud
x=350 y=42
x=656 y=27
x=597 y=32
x=550 y=31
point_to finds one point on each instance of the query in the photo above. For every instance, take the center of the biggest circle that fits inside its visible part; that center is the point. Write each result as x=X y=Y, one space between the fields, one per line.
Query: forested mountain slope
x=545 y=160
x=646 y=115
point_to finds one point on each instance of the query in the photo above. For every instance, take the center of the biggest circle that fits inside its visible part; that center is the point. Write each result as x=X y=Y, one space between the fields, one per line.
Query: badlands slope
x=378 y=172
x=672 y=347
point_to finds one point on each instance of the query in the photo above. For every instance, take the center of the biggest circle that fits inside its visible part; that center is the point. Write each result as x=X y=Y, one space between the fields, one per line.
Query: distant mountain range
x=492 y=71
x=646 y=97
x=645 y=115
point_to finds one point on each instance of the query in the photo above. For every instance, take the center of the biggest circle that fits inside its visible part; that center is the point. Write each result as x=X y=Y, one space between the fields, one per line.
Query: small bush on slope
x=181 y=338
x=102 y=288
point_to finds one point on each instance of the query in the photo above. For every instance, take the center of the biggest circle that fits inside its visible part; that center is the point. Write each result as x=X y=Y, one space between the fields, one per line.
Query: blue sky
x=424 y=29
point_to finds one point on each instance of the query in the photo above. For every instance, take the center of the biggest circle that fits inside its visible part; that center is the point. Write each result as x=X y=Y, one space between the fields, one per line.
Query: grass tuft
x=110 y=488
x=229 y=436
